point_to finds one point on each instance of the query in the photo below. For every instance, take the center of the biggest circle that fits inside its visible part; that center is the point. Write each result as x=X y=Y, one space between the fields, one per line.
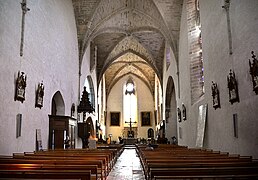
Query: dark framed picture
x=114 y=118
x=146 y=118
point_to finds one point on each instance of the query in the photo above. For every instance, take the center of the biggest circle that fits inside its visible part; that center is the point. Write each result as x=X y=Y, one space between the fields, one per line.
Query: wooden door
x=57 y=126
x=59 y=139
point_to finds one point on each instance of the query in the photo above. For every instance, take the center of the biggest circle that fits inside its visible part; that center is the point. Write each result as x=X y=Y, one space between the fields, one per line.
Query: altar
x=130 y=141
x=130 y=135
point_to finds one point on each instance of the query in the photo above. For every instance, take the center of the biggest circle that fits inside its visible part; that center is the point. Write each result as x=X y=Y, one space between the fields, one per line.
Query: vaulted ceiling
x=129 y=36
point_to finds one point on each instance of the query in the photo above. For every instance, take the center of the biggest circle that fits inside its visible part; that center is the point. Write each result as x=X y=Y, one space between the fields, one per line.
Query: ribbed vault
x=130 y=36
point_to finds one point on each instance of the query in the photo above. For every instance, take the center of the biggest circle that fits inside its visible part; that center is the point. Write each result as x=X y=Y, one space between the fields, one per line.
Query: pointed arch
x=90 y=89
x=170 y=109
x=58 y=105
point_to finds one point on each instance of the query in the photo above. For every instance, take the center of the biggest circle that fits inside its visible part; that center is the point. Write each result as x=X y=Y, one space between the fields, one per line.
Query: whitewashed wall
x=85 y=71
x=50 y=54
x=219 y=133
x=218 y=62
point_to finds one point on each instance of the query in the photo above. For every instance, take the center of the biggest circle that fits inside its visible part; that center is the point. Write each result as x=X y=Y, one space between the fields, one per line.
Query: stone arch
x=170 y=109
x=58 y=105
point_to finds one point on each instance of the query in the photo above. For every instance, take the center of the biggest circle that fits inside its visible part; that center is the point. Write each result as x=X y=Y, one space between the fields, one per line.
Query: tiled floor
x=127 y=167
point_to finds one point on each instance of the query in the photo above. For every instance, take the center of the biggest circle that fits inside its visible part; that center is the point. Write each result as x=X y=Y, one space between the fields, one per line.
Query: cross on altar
x=130 y=133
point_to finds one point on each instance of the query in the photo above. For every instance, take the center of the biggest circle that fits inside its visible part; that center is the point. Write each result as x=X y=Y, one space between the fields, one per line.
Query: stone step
x=129 y=146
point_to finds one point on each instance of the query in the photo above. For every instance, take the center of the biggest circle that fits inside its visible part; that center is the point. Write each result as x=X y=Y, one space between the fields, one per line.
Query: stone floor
x=127 y=167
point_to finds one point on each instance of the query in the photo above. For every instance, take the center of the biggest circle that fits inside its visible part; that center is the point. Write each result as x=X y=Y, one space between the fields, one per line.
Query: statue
x=20 y=87
x=232 y=87
x=215 y=95
x=254 y=72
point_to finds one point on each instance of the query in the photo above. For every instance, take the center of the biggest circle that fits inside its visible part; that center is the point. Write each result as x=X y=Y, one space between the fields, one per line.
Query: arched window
x=129 y=102
x=58 y=106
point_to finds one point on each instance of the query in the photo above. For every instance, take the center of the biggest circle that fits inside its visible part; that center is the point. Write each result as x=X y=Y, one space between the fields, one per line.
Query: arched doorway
x=170 y=111
x=58 y=124
x=57 y=106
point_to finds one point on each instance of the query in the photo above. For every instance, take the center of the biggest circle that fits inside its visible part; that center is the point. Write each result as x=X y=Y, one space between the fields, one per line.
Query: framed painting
x=114 y=118
x=146 y=118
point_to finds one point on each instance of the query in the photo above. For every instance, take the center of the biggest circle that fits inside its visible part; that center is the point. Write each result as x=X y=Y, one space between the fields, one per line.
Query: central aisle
x=127 y=167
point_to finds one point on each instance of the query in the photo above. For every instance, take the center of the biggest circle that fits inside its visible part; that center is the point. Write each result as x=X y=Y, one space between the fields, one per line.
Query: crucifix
x=226 y=7
x=130 y=134
x=24 y=11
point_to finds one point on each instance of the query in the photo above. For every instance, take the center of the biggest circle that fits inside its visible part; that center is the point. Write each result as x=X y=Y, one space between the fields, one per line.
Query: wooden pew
x=167 y=160
x=92 y=168
x=89 y=157
x=109 y=154
x=193 y=162
x=209 y=177
x=46 y=174
x=206 y=171
x=64 y=162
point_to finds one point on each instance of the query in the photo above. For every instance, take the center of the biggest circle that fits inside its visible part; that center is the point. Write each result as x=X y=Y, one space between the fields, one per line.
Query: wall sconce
x=254 y=72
